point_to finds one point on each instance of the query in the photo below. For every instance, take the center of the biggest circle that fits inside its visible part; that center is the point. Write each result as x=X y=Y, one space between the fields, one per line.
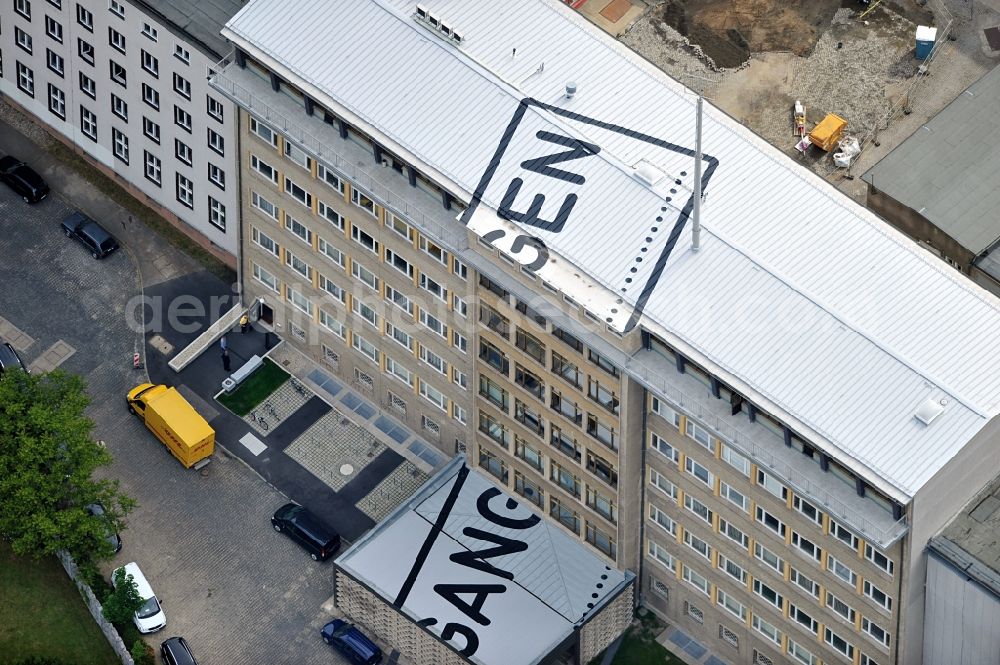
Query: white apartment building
x=124 y=82
x=480 y=215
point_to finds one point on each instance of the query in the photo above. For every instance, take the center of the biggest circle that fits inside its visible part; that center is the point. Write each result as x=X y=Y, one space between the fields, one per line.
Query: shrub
x=39 y=660
x=142 y=653
x=120 y=606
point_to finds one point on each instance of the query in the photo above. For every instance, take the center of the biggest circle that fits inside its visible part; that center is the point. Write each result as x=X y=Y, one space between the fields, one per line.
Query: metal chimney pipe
x=696 y=217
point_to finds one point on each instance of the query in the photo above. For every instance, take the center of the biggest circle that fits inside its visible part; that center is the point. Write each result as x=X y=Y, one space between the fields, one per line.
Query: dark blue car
x=351 y=643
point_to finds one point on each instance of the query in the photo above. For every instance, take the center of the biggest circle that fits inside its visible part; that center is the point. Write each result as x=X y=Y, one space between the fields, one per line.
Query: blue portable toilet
x=925 y=41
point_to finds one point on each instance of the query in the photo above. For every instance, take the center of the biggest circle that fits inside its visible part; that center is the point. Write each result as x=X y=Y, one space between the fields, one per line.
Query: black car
x=175 y=651
x=351 y=642
x=97 y=510
x=300 y=525
x=22 y=179
x=9 y=359
x=90 y=233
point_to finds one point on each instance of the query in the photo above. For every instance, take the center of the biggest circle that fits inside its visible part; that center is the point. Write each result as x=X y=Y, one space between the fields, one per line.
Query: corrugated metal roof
x=798 y=293
x=949 y=169
x=536 y=582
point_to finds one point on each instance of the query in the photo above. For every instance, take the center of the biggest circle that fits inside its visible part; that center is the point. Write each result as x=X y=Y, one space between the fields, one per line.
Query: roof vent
x=648 y=173
x=570 y=89
x=929 y=410
x=438 y=25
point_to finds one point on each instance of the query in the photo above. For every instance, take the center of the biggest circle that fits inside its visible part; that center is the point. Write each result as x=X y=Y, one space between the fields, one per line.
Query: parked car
x=90 y=233
x=150 y=617
x=22 y=179
x=307 y=530
x=9 y=360
x=97 y=510
x=351 y=643
x=175 y=651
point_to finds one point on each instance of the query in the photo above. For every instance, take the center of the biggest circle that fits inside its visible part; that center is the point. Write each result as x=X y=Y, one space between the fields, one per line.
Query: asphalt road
x=236 y=590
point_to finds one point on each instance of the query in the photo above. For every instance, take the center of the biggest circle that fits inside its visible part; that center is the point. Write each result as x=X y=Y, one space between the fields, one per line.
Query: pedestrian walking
x=225 y=359
x=223 y=343
x=245 y=322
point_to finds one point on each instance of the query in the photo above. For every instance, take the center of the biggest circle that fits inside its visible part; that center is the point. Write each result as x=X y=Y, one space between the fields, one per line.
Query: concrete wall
x=95 y=609
x=933 y=506
x=962 y=619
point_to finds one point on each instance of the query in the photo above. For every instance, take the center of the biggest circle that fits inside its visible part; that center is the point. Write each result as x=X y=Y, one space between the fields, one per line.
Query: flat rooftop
x=800 y=299
x=462 y=551
x=202 y=20
x=970 y=542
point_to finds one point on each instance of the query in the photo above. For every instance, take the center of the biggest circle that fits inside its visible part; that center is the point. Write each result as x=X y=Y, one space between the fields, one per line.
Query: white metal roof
x=538 y=583
x=798 y=294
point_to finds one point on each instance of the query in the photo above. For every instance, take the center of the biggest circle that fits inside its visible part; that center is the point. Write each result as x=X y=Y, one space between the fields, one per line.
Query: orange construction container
x=826 y=134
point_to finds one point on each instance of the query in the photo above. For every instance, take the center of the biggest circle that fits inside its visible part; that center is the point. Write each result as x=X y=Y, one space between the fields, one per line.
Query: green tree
x=142 y=653
x=121 y=605
x=47 y=461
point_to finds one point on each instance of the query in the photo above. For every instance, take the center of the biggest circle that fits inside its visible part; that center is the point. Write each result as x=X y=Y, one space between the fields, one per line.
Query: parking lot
x=237 y=591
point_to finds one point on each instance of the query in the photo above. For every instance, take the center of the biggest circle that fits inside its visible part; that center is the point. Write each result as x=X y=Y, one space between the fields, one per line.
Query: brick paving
x=332 y=442
x=285 y=401
x=398 y=486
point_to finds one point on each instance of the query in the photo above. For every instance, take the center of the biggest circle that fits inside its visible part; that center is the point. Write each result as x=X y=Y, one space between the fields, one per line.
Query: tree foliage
x=47 y=462
x=121 y=605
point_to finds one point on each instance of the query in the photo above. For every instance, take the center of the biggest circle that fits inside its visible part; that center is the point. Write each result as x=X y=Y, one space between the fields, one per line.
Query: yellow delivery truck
x=174 y=421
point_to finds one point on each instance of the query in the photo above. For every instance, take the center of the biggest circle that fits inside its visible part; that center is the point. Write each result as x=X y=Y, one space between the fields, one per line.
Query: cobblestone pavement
x=398 y=486
x=285 y=401
x=237 y=591
x=333 y=444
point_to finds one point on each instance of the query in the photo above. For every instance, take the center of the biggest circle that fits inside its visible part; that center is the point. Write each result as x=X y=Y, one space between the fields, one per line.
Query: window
x=807 y=509
x=300 y=266
x=841 y=608
x=84 y=17
x=696 y=580
x=771 y=484
x=265 y=169
x=564 y=514
x=185 y=192
x=565 y=478
x=265 y=132
x=120 y=145
x=697 y=544
x=660 y=445
x=489 y=426
x=300 y=302
x=798 y=614
x=117 y=40
x=118 y=74
x=363 y=201
x=23 y=39
x=182 y=54
x=151 y=130
x=54 y=29
x=55 y=62
x=732 y=569
x=23 y=7
x=215 y=108
x=365 y=276
x=119 y=107
x=806 y=546
x=399 y=226
x=661 y=556
x=216 y=175
x=116 y=8
x=432 y=287
x=841 y=570
x=395 y=369
x=662 y=520
x=660 y=408
x=330 y=322
x=398 y=299
x=600 y=394
x=364 y=239
x=734 y=534
x=529 y=381
x=660 y=482
x=768 y=594
x=182 y=119
x=434 y=396
x=367 y=349
x=331 y=215
x=262 y=275
x=771 y=522
x=732 y=605
x=182 y=86
x=25 y=80
x=298 y=193
x=435 y=252
x=769 y=558
x=460 y=378
x=460 y=306
x=880 y=597
x=264 y=205
x=88 y=123
x=801 y=654
x=565 y=369
x=736 y=497
x=461 y=270
x=843 y=535
x=602 y=541
x=865 y=660
x=152 y=167
x=149 y=31
x=494 y=392
x=88 y=86
x=300 y=230
x=297 y=156
x=698 y=471
x=766 y=629
x=433 y=324
x=57 y=101
x=150 y=64
x=879 y=559
x=602 y=362
x=699 y=434
x=529 y=490
x=806 y=583
x=265 y=241
x=839 y=643
x=877 y=632
x=331 y=288
x=698 y=508
x=322 y=172
x=363 y=310
x=216 y=214
x=735 y=460
x=151 y=96
x=182 y=151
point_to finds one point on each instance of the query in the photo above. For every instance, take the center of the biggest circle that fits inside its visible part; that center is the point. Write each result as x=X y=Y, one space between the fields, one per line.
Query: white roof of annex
x=799 y=297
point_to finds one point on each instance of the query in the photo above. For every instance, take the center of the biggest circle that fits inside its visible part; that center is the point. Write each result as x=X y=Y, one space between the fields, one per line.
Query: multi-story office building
x=482 y=215
x=124 y=82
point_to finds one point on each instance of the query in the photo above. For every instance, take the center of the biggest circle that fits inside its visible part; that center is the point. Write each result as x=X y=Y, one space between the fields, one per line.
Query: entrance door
x=266 y=314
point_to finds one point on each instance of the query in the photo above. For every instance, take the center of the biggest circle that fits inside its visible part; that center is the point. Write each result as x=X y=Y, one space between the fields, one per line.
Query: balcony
x=529 y=382
x=529 y=419
x=565 y=445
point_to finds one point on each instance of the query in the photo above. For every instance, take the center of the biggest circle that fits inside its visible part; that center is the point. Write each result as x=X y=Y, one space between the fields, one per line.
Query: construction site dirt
x=755 y=58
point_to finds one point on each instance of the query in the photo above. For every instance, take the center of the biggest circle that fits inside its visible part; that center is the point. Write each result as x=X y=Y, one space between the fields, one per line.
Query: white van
x=150 y=617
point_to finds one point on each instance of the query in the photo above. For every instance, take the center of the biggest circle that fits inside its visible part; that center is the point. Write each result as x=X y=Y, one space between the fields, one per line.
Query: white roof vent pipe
x=696 y=216
x=570 y=89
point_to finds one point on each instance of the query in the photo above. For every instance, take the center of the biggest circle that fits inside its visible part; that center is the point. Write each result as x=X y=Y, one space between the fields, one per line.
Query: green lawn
x=255 y=389
x=640 y=647
x=42 y=614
